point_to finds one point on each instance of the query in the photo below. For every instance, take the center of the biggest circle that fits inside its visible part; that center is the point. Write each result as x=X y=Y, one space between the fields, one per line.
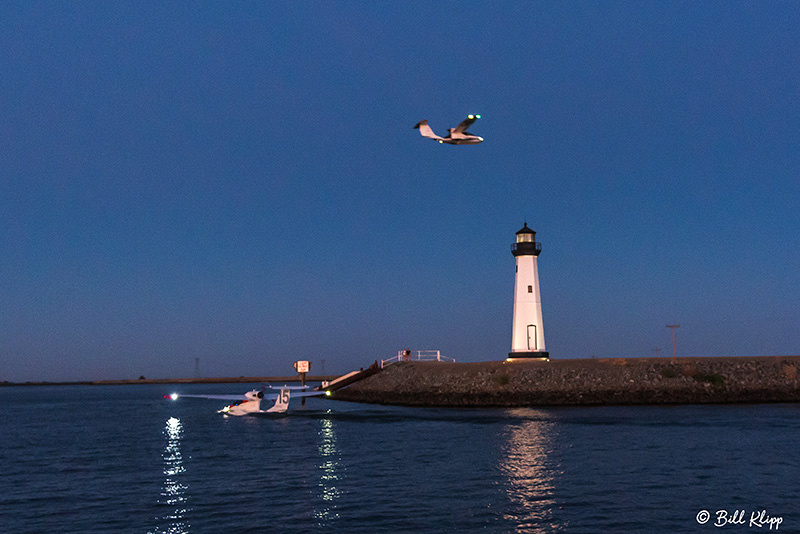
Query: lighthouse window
x=530 y=289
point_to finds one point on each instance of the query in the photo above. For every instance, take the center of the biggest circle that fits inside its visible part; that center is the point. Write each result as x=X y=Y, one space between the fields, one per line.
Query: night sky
x=240 y=182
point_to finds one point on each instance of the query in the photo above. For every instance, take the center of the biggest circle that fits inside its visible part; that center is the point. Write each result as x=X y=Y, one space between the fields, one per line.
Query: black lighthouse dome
x=526 y=244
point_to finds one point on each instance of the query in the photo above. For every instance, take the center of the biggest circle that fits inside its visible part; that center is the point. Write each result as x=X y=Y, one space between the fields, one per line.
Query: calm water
x=123 y=459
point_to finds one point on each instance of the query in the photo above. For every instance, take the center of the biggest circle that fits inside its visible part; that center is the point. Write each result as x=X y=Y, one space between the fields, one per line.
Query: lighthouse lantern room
x=527 y=335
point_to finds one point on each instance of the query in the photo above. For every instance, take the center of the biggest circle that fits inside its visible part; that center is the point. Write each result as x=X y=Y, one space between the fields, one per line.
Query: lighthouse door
x=532 y=344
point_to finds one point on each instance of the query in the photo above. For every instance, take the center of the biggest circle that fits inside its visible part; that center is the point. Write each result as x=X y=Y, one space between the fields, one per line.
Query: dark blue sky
x=240 y=182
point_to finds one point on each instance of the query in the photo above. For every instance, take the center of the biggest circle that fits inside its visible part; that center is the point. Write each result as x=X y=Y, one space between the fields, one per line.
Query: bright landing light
x=174 y=396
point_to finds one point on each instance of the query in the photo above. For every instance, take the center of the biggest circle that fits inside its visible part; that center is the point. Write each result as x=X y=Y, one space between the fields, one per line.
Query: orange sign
x=302 y=366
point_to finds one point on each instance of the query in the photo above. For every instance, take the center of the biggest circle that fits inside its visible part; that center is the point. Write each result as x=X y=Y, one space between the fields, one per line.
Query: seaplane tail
x=426 y=131
x=281 y=403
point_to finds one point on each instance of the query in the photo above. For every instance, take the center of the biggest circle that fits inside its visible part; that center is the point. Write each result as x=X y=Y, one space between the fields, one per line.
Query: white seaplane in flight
x=457 y=136
x=250 y=402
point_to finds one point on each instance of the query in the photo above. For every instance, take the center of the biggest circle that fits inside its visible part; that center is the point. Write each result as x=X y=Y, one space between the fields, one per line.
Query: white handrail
x=418 y=356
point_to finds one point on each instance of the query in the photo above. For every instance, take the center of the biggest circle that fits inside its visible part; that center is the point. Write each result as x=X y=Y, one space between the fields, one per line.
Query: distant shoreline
x=558 y=382
x=145 y=381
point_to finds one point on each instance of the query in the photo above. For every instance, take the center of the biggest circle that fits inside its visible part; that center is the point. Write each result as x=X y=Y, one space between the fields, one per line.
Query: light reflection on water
x=329 y=474
x=173 y=492
x=528 y=472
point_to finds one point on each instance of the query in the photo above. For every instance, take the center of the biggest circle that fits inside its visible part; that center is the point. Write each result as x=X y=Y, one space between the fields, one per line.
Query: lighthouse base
x=537 y=355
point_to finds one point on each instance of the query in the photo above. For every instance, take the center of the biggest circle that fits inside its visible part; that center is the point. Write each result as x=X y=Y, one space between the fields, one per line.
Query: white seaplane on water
x=250 y=402
x=457 y=136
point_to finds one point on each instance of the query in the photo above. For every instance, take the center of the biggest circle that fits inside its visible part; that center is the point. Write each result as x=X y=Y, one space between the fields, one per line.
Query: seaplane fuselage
x=461 y=140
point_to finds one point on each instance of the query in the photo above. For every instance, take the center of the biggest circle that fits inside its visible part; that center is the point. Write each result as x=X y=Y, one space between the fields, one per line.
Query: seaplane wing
x=250 y=402
x=456 y=136
x=466 y=123
x=216 y=397
x=309 y=393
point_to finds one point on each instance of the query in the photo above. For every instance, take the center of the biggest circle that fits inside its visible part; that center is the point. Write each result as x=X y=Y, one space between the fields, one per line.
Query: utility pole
x=673 y=326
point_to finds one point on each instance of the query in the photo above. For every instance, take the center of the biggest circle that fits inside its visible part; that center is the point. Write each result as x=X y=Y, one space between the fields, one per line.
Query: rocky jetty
x=584 y=382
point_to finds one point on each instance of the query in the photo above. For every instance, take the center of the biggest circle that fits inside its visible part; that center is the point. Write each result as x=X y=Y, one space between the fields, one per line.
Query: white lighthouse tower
x=527 y=335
